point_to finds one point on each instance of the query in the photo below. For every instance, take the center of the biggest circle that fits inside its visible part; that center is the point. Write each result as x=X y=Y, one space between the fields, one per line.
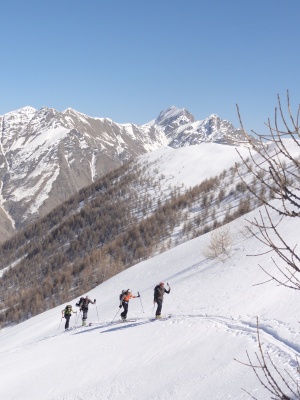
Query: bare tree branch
x=268 y=374
x=277 y=170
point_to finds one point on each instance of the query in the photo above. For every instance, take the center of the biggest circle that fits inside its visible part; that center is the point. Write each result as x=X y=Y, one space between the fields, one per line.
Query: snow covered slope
x=191 y=165
x=214 y=306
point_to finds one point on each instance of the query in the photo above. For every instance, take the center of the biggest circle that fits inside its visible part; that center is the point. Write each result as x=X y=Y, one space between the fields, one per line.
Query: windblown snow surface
x=191 y=355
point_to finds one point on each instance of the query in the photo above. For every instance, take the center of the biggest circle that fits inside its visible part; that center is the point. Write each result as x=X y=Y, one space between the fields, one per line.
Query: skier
x=66 y=313
x=84 y=307
x=124 y=300
x=159 y=292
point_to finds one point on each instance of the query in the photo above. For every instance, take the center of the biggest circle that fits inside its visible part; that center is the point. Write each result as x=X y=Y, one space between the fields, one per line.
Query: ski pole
x=60 y=322
x=77 y=318
x=141 y=301
x=97 y=312
x=115 y=315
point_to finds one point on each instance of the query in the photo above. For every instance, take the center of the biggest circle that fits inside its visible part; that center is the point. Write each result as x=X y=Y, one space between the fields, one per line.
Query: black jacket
x=159 y=292
x=84 y=305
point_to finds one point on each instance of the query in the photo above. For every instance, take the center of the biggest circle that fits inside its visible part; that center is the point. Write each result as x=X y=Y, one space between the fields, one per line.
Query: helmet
x=161 y=284
x=128 y=291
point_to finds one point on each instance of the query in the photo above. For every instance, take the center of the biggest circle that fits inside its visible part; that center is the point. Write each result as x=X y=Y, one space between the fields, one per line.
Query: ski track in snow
x=276 y=345
x=235 y=326
x=268 y=336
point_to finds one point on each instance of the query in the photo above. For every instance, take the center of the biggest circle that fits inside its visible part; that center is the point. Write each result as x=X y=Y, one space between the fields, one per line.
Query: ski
x=121 y=321
x=72 y=328
x=98 y=323
x=161 y=318
x=127 y=320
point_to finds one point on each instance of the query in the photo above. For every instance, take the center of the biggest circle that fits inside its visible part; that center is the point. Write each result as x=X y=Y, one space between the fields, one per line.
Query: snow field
x=214 y=306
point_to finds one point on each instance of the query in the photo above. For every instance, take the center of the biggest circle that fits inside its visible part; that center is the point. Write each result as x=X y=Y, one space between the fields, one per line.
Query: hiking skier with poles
x=84 y=307
x=125 y=296
x=66 y=313
x=159 y=292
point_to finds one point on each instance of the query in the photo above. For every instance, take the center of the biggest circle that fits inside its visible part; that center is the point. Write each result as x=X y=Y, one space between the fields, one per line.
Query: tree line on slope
x=105 y=228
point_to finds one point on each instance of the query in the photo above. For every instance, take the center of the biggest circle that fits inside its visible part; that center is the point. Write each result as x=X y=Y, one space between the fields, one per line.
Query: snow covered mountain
x=46 y=156
x=181 y=129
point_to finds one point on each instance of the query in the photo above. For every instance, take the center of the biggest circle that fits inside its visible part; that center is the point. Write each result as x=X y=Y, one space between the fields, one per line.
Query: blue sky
x=128 y=60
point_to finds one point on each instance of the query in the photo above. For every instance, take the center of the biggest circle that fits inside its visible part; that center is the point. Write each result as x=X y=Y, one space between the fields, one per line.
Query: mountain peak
x=70 y=110
x=182 y=130
x=23 y=110
x=174 y=113
x=213 y=116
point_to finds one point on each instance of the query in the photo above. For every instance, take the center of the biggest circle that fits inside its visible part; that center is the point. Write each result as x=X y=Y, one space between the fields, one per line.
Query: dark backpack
x=80 y=302
x=156 y=291
x=122 y=294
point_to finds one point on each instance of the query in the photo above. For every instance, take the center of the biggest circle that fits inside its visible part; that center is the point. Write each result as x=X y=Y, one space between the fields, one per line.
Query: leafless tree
x=220 y=244
x=278 y=170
